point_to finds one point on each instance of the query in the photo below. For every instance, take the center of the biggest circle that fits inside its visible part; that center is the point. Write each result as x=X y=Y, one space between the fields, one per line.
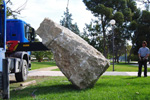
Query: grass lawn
x=55 y=69
x=121 y=67
x=37 y=65
x=107 y=88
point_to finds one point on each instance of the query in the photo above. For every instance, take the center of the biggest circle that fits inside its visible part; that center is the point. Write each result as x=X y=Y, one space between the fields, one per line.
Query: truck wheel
x=22 y=76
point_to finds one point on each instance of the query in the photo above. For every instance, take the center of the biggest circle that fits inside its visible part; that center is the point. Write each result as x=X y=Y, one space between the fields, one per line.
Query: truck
x=16 y=43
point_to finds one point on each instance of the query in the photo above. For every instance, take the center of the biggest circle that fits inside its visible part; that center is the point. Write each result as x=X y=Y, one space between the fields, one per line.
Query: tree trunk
x=40 y=59
x=117 y=59
x=130 y=55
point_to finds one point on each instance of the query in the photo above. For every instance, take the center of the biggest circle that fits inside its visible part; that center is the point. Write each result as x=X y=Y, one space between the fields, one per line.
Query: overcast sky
x=36 y=10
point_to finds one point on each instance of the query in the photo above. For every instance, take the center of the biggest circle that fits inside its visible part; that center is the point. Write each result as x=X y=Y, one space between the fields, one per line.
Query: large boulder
x=79 y=62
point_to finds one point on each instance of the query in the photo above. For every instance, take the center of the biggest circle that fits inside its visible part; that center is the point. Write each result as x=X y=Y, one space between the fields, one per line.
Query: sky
x=36 y=10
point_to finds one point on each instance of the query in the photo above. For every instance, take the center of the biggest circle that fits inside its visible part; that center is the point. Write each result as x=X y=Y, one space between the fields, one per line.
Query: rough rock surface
x=80 y=63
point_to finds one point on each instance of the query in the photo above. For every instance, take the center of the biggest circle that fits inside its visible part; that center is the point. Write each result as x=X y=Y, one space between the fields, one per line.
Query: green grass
x=37 y=65
x=121 y=67
x=15 y=85
x=107 y=88
x=56 y=69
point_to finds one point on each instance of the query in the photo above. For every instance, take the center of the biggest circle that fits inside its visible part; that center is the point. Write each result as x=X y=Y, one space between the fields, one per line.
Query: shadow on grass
x=44 y=90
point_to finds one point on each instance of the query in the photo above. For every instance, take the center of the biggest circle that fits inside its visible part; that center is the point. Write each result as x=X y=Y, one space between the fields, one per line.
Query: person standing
x=143 y=54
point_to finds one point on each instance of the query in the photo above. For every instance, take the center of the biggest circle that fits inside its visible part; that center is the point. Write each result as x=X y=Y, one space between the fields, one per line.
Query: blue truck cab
x=18 y=30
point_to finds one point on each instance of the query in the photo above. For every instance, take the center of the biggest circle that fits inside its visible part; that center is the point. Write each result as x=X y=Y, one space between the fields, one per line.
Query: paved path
x=59 y=73
x=48 y=72
x=45 y=73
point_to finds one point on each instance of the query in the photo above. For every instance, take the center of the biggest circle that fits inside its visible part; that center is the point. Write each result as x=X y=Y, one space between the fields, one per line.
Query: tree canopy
x=141 y=30
x=122 y=11
x=67 y=22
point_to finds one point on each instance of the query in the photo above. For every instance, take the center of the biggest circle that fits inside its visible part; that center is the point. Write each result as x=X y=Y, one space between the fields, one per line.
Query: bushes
x=134 y=57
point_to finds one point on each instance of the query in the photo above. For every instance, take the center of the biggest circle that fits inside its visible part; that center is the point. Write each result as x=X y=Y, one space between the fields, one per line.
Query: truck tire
x=22 y=76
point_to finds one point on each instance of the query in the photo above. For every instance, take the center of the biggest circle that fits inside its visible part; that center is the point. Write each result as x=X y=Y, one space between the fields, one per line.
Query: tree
x=92 y=35
x=49 y=55
x=103 y=13
x=39 y=55
x=141 y=30
x=120 y=10
x=67 y=22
